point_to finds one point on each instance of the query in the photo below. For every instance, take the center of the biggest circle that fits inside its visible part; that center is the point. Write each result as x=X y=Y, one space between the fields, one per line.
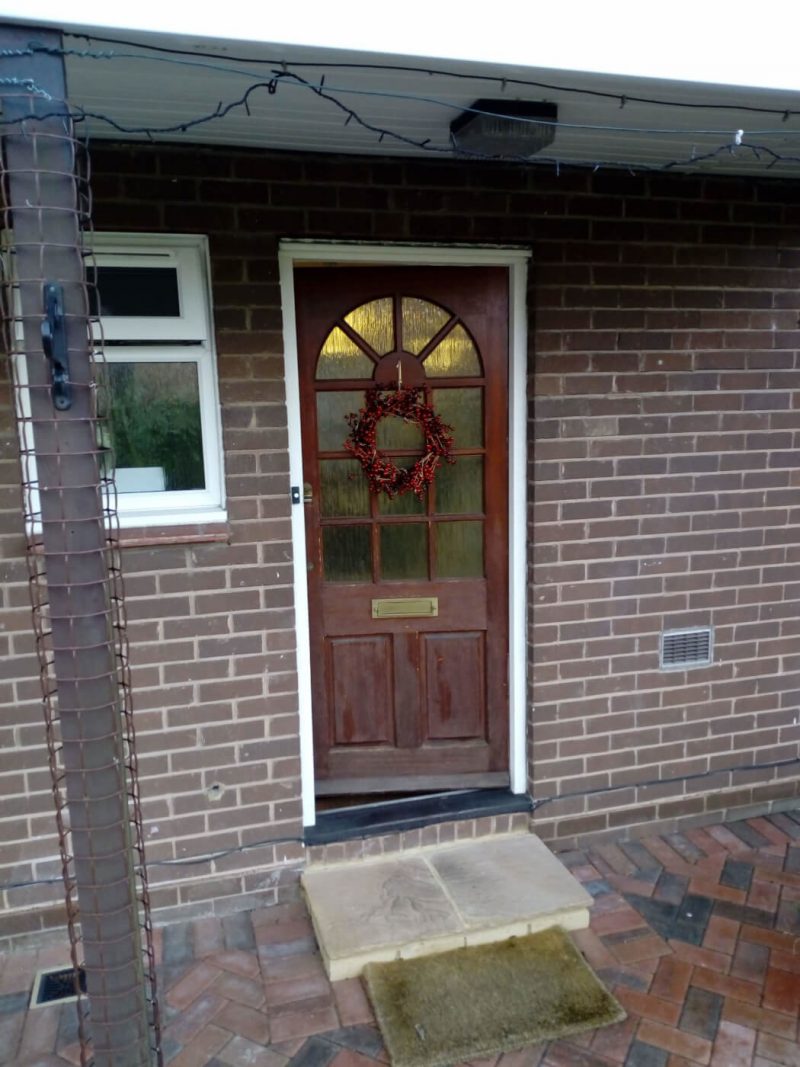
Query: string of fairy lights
x=273 y=75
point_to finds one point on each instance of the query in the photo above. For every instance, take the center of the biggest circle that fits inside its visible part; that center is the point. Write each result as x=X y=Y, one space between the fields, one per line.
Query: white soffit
x=169 y=80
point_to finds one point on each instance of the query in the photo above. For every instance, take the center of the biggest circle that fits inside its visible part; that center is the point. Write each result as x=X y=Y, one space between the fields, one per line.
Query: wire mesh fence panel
x=54 y=344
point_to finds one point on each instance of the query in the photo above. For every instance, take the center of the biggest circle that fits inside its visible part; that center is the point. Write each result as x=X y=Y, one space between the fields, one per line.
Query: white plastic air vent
x=682 y=649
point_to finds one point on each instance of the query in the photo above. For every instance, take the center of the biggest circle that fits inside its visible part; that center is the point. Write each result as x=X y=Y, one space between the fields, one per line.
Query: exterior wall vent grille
x=681 y=649
x=57 y=985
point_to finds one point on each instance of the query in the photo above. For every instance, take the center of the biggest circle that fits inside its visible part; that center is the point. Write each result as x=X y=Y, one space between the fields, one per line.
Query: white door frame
x=292 y=252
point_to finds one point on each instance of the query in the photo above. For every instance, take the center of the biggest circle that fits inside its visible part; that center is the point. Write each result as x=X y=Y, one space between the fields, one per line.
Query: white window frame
x=189 y=254
x=194 y=325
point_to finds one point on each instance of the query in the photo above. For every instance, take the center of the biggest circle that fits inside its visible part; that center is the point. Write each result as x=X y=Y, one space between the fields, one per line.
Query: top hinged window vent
x=681 y=649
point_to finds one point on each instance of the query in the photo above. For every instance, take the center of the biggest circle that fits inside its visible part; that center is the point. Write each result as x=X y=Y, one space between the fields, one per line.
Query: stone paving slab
x=364 y=906
x=439 y=898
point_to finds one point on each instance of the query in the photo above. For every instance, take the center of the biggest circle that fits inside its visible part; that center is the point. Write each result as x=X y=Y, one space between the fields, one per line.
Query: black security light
x=505 y=128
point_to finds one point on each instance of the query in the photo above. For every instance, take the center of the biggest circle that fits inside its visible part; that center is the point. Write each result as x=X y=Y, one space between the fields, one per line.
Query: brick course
x=665 y=383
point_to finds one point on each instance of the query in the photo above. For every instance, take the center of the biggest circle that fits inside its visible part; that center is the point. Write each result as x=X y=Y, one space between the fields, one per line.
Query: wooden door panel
x=407 y=690
x=443 y=758
x=360 y=665
x=419 y=699
x=455 y=686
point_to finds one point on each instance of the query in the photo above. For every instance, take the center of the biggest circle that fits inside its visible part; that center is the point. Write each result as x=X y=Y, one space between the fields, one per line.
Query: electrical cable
x=182 y=861
x=79 y=115
x=194 y=861
x=699 y=775
x=281 y=72
x=286 y=76
x=621 y=98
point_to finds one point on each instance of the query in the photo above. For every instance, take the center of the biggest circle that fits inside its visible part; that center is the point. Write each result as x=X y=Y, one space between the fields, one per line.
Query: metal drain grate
x=57 y=985
x=692 y=647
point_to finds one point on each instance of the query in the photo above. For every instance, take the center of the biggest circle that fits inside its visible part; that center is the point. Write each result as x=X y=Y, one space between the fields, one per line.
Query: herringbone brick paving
x=698 y=935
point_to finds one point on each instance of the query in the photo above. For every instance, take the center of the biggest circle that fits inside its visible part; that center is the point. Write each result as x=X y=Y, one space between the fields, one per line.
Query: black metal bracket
x=54 y=343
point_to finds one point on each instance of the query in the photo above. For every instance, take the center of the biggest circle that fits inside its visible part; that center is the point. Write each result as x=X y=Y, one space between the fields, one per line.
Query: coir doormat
x=472 y=1002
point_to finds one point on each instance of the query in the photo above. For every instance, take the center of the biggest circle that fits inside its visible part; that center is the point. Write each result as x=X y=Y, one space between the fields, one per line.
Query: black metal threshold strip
x=388 y=817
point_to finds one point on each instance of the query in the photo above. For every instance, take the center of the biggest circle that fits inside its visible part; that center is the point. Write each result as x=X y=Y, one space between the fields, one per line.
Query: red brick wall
x=664 y=336
x=666 y=483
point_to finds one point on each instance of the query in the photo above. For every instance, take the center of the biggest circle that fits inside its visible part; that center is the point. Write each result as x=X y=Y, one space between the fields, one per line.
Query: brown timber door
x=417 y=702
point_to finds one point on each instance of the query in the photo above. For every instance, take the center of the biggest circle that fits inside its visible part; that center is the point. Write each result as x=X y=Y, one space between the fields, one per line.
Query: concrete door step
x=434 y=899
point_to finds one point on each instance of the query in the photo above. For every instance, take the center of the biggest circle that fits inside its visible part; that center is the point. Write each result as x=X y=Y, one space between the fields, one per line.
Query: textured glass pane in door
x=462 y=409
x=404 y=551
x=342 y=358
x=422 y=320
x=394 y=432
x=459 y=549
x=459 y=486
x=375 y=323
x=454 y=357
x=347 y=554
x=406 y=504
x=343 y=488
x=332 y=409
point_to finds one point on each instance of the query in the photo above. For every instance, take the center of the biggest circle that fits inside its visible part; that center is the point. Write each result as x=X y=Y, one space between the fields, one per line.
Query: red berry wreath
x=383 y=475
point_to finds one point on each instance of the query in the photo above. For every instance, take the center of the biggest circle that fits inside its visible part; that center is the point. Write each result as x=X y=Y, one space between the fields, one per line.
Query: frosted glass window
x=375 y=323
x=454 y=357
x=394 y=432
x=332 y=412
x=459 y=549
x=404 y=504
x=421 y=322
x=342 y=358
x=347 y=554
x=462 y=409
x=459 y=486
x=343 y=488
x=404 y=551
